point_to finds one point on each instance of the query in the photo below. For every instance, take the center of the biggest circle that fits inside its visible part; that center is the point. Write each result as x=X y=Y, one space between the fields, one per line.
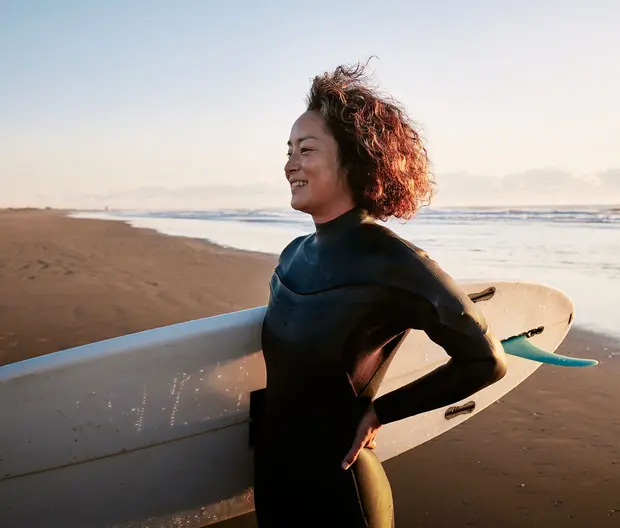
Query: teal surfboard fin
x=520 y=346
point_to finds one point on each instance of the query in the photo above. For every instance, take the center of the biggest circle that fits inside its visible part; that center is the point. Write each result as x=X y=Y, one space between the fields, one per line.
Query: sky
x=191 y=102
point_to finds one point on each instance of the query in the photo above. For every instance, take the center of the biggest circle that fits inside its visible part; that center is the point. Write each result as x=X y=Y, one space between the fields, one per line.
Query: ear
x=343 y=181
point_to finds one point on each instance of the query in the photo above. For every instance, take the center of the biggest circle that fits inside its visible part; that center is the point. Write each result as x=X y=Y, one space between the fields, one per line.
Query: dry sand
x=548 y=454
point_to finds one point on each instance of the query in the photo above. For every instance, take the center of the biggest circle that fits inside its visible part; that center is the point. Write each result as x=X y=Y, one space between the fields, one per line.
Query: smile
x=299 y=183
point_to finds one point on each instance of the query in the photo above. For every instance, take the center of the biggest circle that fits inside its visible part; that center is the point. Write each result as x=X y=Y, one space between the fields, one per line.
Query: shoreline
x=607 y=336
x=546 y=453
x=197 y=239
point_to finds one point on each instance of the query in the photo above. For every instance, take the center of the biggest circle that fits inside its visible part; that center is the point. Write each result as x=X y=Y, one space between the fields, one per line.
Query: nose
x=291 y=165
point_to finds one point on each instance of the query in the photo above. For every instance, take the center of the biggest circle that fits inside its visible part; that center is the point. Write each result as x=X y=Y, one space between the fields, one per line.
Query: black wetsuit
x=342 y=300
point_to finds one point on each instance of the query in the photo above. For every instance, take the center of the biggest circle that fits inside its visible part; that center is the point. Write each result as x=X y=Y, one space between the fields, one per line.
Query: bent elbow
x=498 y=369
x=488 y=371
x=497 y=362
x=485 y=372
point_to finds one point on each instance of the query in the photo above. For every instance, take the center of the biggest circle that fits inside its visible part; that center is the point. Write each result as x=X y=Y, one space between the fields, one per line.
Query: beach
x=546 y=454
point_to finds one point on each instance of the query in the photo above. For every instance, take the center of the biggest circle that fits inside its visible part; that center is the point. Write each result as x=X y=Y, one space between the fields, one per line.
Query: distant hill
x=535 y=187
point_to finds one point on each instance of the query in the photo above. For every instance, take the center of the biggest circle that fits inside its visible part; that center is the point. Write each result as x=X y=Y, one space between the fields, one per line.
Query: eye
x=305 y=149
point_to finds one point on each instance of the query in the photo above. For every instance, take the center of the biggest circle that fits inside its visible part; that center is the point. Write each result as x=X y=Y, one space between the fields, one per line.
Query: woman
x=342 y=299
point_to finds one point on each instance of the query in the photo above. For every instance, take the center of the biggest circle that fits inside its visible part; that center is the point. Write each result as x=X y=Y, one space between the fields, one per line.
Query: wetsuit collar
x=341 y=224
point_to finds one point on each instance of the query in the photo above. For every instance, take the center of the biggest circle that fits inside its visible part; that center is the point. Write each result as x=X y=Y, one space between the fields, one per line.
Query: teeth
x=299 y=183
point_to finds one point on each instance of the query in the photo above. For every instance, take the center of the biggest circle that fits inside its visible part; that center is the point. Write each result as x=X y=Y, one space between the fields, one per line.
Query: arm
x=477 y=360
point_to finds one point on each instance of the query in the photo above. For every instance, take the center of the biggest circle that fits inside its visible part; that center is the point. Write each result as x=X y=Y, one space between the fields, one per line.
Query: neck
x=340 y=224
x=334 y=212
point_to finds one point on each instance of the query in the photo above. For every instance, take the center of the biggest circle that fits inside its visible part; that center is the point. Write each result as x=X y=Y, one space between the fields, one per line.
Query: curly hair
x=382 y=153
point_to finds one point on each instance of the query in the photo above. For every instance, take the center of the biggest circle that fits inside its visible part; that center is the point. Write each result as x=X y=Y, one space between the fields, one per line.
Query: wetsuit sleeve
x=476 y=360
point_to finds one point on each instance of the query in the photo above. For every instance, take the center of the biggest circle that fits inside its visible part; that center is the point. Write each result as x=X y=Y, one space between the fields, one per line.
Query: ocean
x=575 y=249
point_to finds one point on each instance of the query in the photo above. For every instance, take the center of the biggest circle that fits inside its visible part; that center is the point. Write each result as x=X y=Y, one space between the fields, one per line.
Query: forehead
x=309 y=125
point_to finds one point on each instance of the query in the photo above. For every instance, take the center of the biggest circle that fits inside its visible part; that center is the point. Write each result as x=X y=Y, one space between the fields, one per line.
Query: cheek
x=311 y=168
x=321 y=174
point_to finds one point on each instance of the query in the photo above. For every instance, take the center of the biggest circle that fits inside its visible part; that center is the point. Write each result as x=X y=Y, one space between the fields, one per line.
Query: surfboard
x=152 y=429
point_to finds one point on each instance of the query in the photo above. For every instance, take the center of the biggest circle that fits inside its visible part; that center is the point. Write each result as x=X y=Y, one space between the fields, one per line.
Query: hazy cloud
x=535 y=187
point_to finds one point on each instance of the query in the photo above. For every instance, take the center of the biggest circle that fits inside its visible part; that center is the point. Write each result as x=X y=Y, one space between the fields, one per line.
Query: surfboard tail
x=522 y=347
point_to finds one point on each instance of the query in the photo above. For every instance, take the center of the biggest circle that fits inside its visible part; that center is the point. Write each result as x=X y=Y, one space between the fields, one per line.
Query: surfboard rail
x=172 y=404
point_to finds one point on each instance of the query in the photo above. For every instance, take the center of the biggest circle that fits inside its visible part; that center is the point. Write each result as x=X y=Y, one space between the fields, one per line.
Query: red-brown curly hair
x=380 y=150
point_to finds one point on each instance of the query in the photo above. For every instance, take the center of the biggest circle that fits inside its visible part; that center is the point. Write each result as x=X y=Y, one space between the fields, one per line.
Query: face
x=318 y=186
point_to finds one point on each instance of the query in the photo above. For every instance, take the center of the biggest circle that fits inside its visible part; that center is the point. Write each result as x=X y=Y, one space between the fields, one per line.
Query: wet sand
x=547 y=454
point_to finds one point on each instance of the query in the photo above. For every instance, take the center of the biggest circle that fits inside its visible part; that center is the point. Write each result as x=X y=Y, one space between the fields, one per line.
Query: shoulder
x=288 y=256
x=409 y=268
x=292 y=247
x=381 y=243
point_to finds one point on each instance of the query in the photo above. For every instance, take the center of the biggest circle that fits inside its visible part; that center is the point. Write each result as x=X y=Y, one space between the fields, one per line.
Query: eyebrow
x=301 y=139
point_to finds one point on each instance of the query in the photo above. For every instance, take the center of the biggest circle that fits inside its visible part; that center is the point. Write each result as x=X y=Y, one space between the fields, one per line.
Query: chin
x=299 y=205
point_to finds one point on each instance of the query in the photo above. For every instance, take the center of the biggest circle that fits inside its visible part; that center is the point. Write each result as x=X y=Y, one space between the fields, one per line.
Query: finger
x=352 y=455
x=372 y=444
x=350 y=459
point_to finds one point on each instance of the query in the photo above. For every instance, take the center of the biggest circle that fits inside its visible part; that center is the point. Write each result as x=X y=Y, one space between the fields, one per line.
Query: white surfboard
x=151 y=429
